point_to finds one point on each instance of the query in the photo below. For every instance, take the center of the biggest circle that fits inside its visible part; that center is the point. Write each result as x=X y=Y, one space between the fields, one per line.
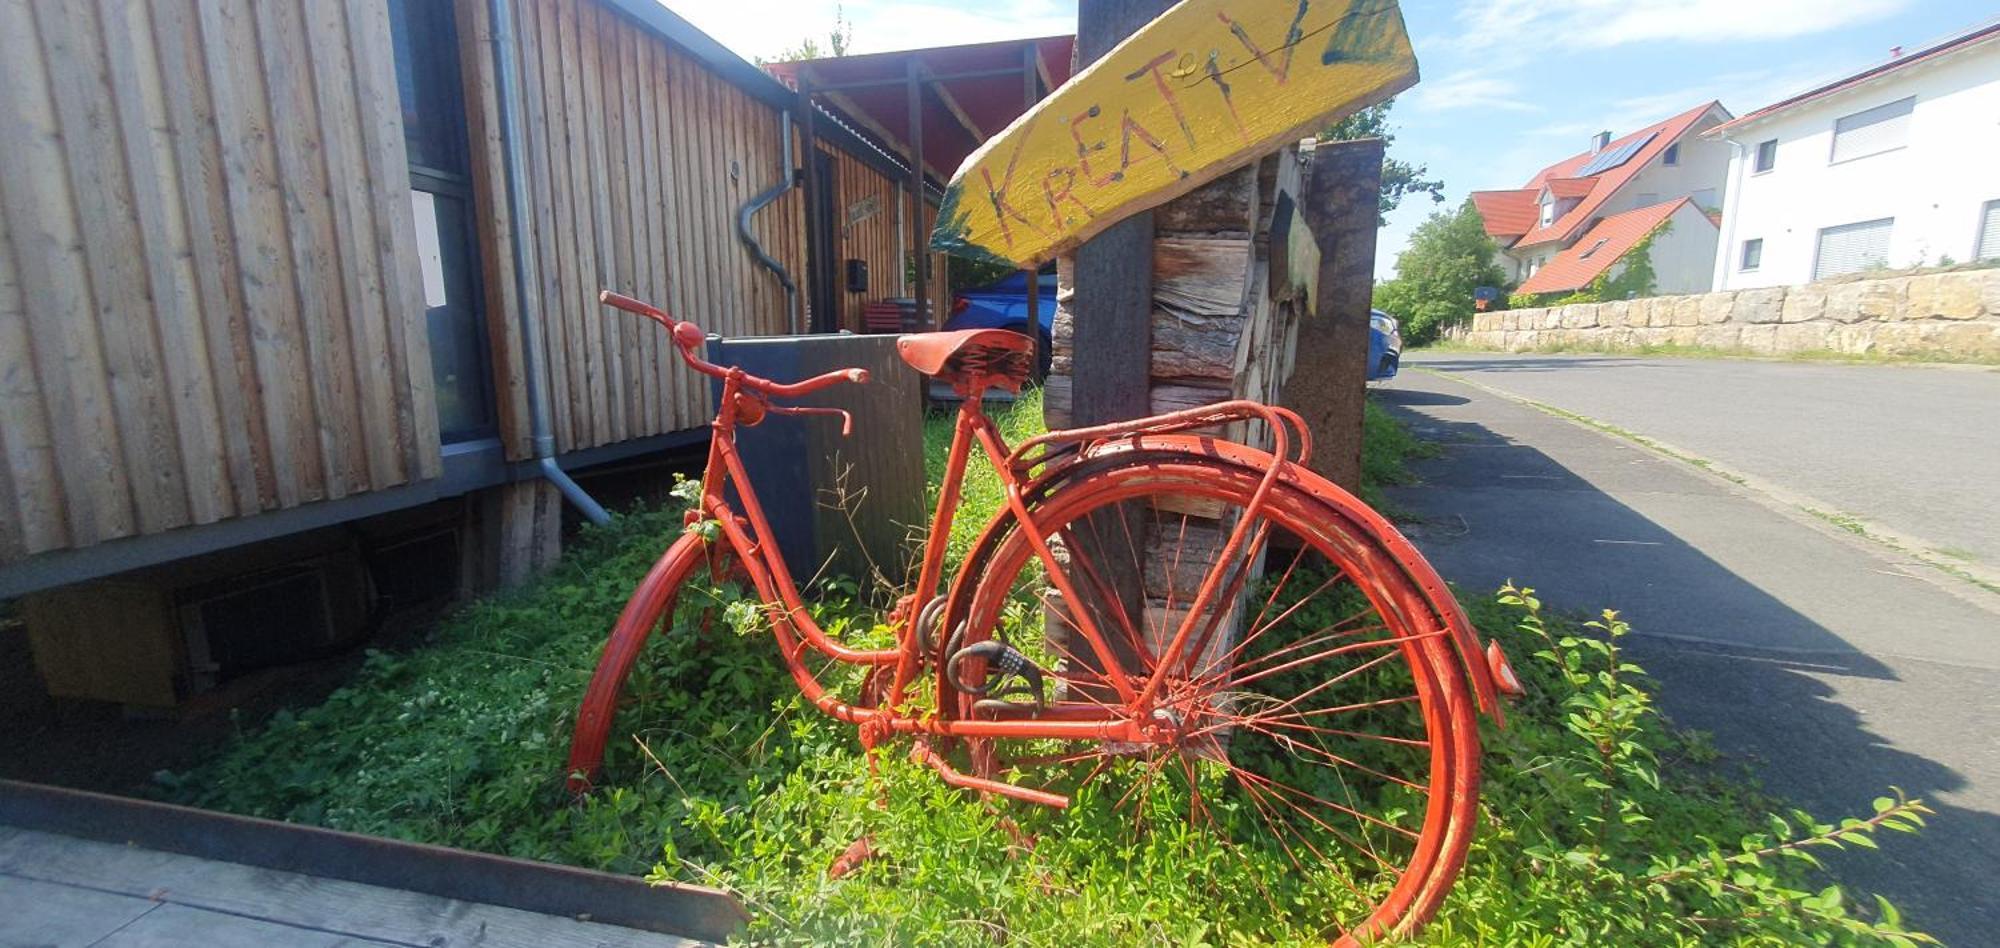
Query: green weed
x=1601 y=824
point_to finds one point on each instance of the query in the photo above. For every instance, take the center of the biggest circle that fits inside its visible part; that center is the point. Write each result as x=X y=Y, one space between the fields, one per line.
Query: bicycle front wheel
x=1314 y=716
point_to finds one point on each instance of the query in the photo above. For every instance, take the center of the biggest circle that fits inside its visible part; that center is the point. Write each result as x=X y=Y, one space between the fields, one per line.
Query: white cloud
x=754 y=28
x=1549 y=24
x=1470 y=89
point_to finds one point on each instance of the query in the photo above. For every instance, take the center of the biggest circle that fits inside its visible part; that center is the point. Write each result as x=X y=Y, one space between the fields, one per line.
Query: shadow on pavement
x=1406 y=396
x=1490 y=509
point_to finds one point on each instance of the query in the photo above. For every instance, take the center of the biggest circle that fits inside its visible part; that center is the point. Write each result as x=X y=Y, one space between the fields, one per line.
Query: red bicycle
x=1180 y=615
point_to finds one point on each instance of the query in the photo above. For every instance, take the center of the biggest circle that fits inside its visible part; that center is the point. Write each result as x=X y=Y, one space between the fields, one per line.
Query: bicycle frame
x=752 y=540
x=1026 y=471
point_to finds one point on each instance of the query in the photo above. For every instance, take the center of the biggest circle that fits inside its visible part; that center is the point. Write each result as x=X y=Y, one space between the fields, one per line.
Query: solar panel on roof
x=1615 y=157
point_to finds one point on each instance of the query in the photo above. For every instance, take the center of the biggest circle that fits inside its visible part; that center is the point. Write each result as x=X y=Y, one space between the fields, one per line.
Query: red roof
x=1971 y=36
x=1583 y=261
x=1571 y=187
x=1663 y=134
x=1507 y=214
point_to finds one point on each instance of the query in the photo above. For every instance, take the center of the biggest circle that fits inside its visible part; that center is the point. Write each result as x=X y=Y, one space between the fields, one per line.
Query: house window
x=1753 y=254
x=1672 y=156
x=1873 y=131
x=425 y=37
x=1601 y=241
x=1852 y=248
x=1548 y=212
x=1989 y=233
x=1767 y=156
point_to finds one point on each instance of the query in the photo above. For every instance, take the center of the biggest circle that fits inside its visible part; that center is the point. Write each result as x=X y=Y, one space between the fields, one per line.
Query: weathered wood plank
x=600 y=186
x=48 y=913
x=1340 y=204
x=133 y=73
x=1194 y=94
x=212 y=255
x=119 y=298
x=395 y=238
x=492 y=204
x=303 y=197
x=1227 y=205
x=33 y=480
x=292 y=904
x=535 y=37
x=1201 y=276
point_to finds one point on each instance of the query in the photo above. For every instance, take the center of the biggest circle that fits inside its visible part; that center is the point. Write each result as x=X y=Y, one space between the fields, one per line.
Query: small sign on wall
x=864 y=209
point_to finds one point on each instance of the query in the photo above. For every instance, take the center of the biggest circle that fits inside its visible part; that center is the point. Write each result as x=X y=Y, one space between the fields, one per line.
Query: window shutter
x=1989 y=232
x=1851 y=248
x=1873 y=130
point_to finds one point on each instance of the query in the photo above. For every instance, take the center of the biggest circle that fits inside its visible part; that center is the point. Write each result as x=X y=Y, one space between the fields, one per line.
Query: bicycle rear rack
x=1286 y=427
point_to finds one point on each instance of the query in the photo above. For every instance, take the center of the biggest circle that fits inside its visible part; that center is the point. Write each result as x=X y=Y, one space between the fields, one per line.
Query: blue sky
x=1509 y=85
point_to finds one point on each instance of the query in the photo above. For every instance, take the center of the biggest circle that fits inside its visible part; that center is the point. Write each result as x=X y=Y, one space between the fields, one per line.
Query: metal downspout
x=788 y=181
x=539 y=429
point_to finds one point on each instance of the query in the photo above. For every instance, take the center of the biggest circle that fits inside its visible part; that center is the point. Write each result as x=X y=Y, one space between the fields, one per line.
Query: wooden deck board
x=48 y=913
x=311 y=909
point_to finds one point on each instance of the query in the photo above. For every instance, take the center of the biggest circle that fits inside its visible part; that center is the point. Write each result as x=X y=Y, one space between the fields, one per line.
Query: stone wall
x=1952 y=314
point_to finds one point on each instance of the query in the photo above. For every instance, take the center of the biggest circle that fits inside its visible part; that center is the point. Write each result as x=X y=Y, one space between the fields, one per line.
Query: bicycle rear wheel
x=1315 y=716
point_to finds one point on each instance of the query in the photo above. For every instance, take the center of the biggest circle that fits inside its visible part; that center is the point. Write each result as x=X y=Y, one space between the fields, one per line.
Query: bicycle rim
x=1320 y=722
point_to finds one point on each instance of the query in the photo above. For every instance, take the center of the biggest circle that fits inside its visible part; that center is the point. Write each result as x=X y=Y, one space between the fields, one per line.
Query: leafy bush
x=1601 y=824
x=1449 y=257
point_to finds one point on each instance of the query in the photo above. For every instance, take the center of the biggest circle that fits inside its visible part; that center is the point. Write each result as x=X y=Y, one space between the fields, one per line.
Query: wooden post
x=516 y=533
x=913 y=91
x=1340 y=204
x=1111 y=317
x=1113 y=303
x=1031 y=90
x=816 y=250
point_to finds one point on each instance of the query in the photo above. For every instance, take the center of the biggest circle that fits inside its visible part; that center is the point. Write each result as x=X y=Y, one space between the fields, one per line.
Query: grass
x=1601 y=823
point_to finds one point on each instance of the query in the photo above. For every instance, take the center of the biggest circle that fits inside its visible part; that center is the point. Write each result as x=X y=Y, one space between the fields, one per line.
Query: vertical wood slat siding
x=208 y=301
x=638 y=158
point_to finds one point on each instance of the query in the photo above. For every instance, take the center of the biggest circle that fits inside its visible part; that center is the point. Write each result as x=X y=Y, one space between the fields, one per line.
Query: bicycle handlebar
x=688 y=338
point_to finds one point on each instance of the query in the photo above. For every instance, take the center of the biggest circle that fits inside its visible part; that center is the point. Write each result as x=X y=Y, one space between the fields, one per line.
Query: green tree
x=1400 y=179
x=1448 y=257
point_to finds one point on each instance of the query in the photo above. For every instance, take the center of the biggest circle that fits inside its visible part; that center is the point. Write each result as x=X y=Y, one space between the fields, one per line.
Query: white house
x=1576 y=219
x=1897 y=165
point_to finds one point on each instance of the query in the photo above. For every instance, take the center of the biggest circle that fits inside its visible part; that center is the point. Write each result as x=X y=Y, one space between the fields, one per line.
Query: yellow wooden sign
x=1207 y=86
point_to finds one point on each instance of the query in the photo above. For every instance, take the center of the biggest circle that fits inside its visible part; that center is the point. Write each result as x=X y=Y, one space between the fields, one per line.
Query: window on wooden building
x=427 y=78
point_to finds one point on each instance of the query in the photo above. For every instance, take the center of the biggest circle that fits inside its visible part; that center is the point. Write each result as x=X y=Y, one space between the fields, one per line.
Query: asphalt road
x=1833 y=665
x=1914 y=450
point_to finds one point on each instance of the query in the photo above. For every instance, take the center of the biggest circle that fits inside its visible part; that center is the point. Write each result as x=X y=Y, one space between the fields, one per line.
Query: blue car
x=1004 y=305
x=1385 y=346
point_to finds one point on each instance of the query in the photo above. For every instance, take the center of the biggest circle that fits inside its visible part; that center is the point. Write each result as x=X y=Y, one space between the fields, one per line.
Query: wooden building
x=243 y=293
x=275 y=268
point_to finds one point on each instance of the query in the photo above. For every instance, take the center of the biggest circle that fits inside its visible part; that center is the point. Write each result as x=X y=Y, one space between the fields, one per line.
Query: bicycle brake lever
x=846 y=420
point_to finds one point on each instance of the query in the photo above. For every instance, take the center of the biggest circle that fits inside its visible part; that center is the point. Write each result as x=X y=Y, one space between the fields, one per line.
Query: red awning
x=971 y=93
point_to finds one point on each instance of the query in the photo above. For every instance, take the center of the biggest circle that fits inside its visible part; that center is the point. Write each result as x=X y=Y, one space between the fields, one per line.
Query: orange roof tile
x=1664 y=133
x=1601 y=247
x=1570 y=187
x=1507 y=214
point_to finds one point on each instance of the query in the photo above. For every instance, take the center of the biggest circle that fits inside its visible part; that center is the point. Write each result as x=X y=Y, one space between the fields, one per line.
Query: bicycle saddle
x=970 y=358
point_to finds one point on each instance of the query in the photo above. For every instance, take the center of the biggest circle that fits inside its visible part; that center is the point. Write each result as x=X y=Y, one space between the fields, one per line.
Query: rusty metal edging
x=686 y=910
